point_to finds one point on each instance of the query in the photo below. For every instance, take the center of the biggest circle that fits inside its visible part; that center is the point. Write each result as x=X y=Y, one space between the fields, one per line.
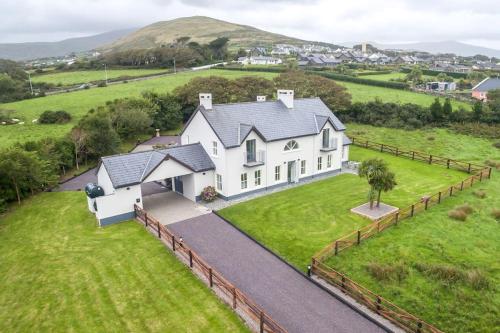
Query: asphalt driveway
x=286 y=295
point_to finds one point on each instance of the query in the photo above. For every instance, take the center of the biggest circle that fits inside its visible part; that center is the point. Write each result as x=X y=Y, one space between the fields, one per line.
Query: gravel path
x=286 y=295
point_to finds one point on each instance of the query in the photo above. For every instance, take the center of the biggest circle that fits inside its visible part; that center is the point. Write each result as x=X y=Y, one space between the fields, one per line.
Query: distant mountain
x=455 y=47
x=200 y=29
x=35 y=50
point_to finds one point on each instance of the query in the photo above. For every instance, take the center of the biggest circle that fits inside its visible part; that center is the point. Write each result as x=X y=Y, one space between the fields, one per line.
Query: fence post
x=439 y=197
x=481 y=176
x=261 y=319
x=173 y=243
x=378 y=226
x=234 y=298
x=489 y=173
x=448 y=164
x=158 y=226
x=430 y=159
x=382 y=148
x=396 y=218
x=462 y=186
x=419 y=327
x=190 y=259
x=343 y=282
x=412 y=210
x=412 y=155
x=379 y=301
x=426 y=203
x=359 y=237
x=468 y=169
x=210 y=279
x=472 y=181
x=397 y=151
x=336 y=247
x=451 y=190
x=146 y=219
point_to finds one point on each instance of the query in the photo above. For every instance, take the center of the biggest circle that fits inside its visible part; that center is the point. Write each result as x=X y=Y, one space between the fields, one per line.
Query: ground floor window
x=277 y=172
x=320 y=163
x=303 y=167
x=329 y=161
x=244 y=183
x=257 y=177
x=219 y=182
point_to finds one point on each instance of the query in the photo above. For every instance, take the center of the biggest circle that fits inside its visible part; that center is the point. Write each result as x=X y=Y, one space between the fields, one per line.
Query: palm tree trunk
x=378 y=198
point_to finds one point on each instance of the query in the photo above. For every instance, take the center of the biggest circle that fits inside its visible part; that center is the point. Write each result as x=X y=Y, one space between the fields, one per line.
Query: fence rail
x=365 y=296
x=254 y=315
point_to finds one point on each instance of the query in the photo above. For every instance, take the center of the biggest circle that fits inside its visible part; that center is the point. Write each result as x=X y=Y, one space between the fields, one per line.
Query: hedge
x=435 y=73
x=353 y=79
x=373 y=73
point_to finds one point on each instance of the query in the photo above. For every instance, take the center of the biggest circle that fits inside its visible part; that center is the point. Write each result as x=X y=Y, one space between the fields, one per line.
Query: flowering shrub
x=208 y=194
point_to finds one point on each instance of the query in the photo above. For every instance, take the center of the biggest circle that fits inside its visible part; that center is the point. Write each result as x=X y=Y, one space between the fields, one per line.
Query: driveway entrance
x=170 y=207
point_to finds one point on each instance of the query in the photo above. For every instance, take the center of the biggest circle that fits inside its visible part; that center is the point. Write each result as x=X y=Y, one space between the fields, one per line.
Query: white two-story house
x=238 y=148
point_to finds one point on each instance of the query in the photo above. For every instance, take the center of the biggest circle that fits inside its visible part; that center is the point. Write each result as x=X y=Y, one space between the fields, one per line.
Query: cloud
x=321 y=20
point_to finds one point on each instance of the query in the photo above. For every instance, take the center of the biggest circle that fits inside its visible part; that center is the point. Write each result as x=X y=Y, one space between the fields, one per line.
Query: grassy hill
x=201 y=29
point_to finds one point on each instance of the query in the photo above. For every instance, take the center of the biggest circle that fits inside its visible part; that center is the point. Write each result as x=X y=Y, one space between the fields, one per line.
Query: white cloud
x=331 y=21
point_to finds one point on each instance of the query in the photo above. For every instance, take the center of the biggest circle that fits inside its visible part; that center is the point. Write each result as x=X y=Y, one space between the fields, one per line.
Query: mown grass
x=80 y=102
x=76 y=77
x=59 y=272
x=452 y=268
x=298 y=222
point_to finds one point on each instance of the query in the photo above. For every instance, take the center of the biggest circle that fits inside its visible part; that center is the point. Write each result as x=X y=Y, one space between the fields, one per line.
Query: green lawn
x=364 y=93
x=76 y=77
x=59 y=272
x=80 y=102
x=434 y=238
x=299 y=222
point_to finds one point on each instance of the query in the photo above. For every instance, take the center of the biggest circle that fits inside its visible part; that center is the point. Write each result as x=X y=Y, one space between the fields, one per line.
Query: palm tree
x=379 y=178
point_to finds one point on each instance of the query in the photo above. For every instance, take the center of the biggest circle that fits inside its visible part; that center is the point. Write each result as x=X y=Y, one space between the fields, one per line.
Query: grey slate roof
x=345 y=140
x=488 y=84
x=272 y=119
x=133 y=168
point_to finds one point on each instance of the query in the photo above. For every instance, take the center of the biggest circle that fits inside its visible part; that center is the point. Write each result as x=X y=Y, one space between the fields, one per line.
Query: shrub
x=497 y=145
x=445 y=273
x=54 y=117
x=457 y=215
x=389 y=272
x=208 y=194
x=495 y=213
x=476 y=279
x=466 y=208
x=102 y=84
x=481 y=194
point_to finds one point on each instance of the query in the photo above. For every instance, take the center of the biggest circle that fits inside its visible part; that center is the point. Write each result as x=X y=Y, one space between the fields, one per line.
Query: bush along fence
x=252 y=314
x=376 y=303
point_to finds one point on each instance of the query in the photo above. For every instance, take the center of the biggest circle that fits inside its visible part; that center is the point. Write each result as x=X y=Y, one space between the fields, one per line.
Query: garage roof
x=133 y=168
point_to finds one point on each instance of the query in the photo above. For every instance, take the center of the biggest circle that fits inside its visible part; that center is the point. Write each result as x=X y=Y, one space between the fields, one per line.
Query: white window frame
x=303 y=167
x=277 y=173
x=244 y=181
x=218 y=182
x=215 y=151
x=291 y=145
x=329 y=161
x=258 y=177
x=320 y=163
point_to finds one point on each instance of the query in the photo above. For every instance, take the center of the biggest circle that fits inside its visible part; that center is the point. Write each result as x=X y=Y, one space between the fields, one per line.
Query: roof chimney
x=261 y=98
x=206 y=100
x=286 y=97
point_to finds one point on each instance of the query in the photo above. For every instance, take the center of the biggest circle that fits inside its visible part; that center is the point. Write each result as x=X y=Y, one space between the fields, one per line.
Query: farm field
x=80 y=102
x=60 y=272
x=448 y=270
x=76 y=77
x=298 y=222
x=364 y=93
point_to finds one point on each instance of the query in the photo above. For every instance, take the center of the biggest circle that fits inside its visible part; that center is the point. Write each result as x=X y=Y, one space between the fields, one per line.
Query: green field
x=59 y=272
x=77 y=77
x=364 y=93
x=433 y=238
x=80 y=102
x=299 y=222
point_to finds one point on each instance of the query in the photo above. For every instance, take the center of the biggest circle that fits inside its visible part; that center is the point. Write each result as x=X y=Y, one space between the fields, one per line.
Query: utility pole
x=106 y=73
x=175 y=71
x=31 y=85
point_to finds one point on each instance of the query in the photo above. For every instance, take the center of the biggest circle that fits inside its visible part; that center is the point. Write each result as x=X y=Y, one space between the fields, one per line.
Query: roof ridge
x=271 y=101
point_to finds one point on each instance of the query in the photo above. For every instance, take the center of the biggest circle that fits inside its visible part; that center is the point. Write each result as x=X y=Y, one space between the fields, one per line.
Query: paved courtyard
x=170 y=207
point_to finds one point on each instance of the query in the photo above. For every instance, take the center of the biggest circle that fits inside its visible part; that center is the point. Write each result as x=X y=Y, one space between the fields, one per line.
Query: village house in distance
x=238 y=148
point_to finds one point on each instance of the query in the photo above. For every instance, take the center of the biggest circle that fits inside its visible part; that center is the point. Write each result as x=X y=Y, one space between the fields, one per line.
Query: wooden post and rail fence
x=378 y=304
x=253 y=314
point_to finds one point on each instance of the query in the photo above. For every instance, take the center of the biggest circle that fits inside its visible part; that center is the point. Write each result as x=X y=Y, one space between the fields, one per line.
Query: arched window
x=291 y=145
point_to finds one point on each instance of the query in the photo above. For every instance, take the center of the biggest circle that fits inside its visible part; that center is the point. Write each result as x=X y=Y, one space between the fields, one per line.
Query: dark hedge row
x=353 y=79
x=435 y=73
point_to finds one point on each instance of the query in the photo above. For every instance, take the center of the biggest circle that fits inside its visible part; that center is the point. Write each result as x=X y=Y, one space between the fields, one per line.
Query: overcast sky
x=473 y=21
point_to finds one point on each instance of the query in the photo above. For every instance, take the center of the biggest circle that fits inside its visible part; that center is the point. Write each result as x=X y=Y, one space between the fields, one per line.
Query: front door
x=179 y=188
x=291 y=171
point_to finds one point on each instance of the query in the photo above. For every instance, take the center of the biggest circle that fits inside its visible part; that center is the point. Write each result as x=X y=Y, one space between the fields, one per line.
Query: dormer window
x=214 y=148
x=291 y=145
